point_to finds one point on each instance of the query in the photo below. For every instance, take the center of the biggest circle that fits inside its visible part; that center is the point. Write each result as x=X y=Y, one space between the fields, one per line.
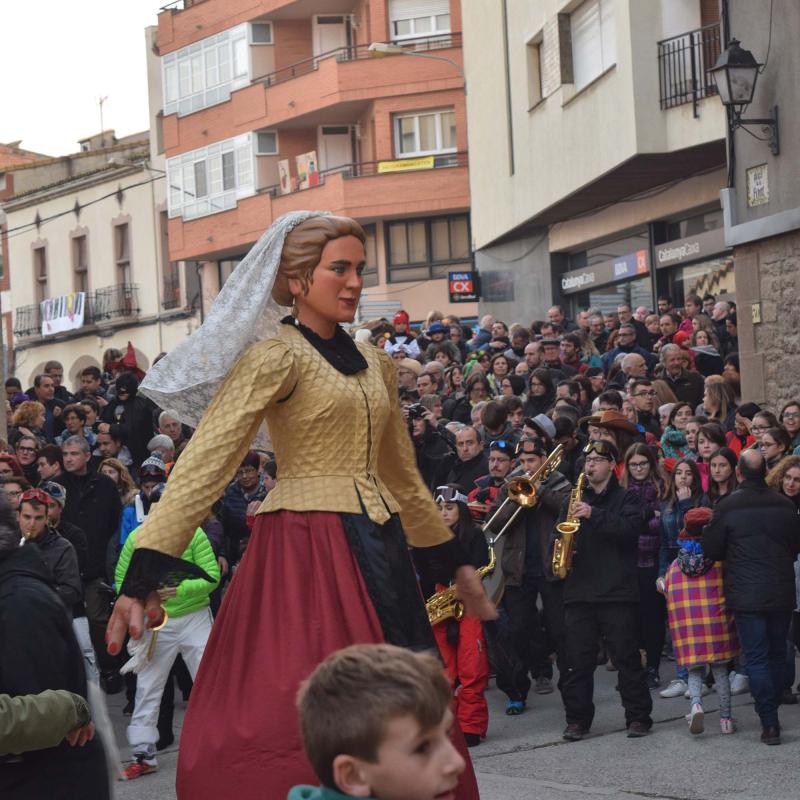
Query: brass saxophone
x=564 y=545
x=520 y=490
x=445 y=604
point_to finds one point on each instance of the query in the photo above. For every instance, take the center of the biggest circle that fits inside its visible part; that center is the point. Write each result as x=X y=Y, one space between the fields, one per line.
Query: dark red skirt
x=297 y=596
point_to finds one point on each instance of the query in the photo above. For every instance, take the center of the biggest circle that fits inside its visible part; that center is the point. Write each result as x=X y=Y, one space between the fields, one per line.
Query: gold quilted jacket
x=340 y=441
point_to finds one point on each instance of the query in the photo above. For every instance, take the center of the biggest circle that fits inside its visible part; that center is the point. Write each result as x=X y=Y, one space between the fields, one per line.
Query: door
x=335 y=146
x=330 y=32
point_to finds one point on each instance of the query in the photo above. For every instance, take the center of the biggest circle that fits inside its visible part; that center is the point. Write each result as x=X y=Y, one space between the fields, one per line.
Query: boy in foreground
x=376 y=723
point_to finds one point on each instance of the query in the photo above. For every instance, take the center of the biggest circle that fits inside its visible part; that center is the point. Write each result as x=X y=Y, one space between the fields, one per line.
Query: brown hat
x=612 y=419
x=410 y=364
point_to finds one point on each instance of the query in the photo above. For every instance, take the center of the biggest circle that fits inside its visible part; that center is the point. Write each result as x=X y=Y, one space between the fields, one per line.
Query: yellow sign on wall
x=406 y=164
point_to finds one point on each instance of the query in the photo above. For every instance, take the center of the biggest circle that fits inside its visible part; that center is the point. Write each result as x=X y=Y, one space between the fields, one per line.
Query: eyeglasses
x=13 y=492
x=448 y=494
x=26 y=449
x=759 y=428
x=35 y=494
x=638 y=464
x=791 y=415
x=650 y=393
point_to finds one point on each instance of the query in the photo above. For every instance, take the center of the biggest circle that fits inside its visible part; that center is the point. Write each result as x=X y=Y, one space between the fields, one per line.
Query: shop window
x=422 y=249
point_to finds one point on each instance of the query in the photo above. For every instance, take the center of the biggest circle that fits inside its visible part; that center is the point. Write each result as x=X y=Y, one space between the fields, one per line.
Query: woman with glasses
x=790 y=418
x=721 y=475
x=644 y=478
x=684 y=491
x=775 y=445
x=541 y=393
x=26 y=449
x=462 y=642
x=673 y=440
x=762 y=422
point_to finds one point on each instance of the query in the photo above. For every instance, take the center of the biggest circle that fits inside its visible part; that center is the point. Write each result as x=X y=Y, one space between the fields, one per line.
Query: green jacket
x=192 y=593
x=316 y=793
x=39 y=721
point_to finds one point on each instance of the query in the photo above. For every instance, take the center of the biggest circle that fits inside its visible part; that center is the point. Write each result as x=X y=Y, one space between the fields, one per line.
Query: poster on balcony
x=284 y=177
x=64 y=313
x=307 y=170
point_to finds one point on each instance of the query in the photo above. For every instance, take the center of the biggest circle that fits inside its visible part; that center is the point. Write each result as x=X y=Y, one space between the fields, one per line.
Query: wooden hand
x=129 y=617
x=472 y=595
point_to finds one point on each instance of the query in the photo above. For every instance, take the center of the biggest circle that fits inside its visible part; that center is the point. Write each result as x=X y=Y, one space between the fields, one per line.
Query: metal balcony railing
x=115 y=302
x=28 y=321
x=683 y=64
x=366 y=169
x=357 y=53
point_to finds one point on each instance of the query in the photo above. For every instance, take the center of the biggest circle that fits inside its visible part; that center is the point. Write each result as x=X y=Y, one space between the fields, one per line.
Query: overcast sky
x=57 y=58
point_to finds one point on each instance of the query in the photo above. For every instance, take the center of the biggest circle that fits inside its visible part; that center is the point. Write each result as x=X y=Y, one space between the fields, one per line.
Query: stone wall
x=768 y=276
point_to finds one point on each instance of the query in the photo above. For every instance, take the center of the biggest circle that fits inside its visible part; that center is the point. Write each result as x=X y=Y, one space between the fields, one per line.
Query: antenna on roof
x=100 y=101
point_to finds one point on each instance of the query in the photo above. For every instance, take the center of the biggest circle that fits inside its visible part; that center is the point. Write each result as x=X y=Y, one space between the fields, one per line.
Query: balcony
x=337 y=84
x=107 y=305
x=365 y=190
x=683 y=64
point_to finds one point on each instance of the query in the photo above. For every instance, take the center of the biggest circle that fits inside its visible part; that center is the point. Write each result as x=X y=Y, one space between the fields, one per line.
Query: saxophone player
x=522 y=640
x=601 y=595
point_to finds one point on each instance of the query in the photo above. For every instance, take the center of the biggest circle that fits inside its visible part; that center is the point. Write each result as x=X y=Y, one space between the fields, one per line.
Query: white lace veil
x=186 y=380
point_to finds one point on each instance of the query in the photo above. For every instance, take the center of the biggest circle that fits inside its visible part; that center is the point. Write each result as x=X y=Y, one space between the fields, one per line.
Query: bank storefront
x=666 y=258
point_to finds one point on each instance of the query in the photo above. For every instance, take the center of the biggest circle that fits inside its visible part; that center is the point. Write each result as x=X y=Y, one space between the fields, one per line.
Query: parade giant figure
x=327 y=564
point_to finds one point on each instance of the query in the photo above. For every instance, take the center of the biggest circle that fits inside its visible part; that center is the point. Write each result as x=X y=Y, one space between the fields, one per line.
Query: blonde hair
x=126 y=487
x=347 y=702
x=302 y=251
x=26 y=413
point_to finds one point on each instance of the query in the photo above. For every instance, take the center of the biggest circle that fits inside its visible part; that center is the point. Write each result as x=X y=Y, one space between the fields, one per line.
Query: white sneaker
x=740 y=684
x=696 y=719
x=705 y=690
x=675 y=688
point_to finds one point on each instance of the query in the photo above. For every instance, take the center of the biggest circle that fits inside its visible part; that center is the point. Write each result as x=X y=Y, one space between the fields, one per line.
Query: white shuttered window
x=415 y=19
x=594 y=40
x=212 y=178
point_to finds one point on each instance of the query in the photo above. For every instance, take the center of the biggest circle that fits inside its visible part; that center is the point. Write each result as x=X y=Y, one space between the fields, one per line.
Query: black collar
x=340 y=351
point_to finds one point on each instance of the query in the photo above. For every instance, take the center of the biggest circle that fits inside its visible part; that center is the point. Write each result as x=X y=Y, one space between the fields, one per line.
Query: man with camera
x=432 y=449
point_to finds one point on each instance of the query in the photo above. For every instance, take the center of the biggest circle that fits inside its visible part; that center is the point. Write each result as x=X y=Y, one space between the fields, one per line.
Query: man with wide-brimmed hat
x=614 y=427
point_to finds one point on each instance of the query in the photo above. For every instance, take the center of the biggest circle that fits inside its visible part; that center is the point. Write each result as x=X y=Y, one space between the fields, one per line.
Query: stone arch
x=38 y=370
x=74 y=375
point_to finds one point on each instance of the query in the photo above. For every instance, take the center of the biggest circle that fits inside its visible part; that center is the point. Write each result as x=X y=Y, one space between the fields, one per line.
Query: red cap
x=680 y=338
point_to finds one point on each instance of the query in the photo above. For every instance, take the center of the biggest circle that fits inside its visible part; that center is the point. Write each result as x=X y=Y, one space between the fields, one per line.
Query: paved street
x=525 y=757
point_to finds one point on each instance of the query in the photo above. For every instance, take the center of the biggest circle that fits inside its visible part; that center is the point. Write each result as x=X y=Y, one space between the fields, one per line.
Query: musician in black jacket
x=601 y=596
x=522 y=641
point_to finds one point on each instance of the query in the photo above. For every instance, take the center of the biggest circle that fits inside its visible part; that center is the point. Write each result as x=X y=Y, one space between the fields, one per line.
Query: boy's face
x=411 y=765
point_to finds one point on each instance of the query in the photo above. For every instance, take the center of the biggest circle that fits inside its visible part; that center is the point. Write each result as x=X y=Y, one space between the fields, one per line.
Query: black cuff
x=438 y=564
x=151 y=569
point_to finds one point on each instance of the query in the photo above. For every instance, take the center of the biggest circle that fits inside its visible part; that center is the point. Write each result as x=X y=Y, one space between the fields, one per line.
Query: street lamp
x=383 y=49
x=735 y=75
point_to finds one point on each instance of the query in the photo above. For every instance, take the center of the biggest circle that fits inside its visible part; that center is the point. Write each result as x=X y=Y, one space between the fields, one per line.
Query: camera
x=417 y=411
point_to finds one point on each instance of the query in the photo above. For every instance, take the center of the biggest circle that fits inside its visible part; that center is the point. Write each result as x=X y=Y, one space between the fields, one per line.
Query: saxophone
x=445 y=604
x=564 y=545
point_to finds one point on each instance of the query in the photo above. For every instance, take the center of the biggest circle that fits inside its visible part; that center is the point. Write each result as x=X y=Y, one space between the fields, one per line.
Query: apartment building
x=597 y=153
x=271 y=106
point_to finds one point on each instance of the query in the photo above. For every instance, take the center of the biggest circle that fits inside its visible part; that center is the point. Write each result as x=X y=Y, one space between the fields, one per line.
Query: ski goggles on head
x=604 y=449
x=449 y=494
x=39 y=495
x=530 y=447
x=503 y=445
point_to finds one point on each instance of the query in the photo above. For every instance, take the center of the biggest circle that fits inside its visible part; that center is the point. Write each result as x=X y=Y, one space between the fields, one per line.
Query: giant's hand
x=129 y=617
x=471 y=593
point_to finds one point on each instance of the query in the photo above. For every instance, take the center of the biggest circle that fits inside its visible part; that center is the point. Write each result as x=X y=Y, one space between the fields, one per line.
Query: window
x=425 y=133
x=80 y=264
x=171 y=279
x=122 y=253
x=40 y=273
x=371 y=250
x=206 y=72
x=420 y=249
x=414 y=19
x=266 y=143
x=211 y=179
x=594 y=40
x=533 y=52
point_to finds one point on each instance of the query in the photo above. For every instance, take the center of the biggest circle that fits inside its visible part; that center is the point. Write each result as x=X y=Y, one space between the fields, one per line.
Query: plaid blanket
x=702 y=629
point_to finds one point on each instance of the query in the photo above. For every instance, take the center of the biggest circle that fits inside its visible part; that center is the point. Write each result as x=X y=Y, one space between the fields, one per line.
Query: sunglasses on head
x=449 y=494
x=502 y=445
